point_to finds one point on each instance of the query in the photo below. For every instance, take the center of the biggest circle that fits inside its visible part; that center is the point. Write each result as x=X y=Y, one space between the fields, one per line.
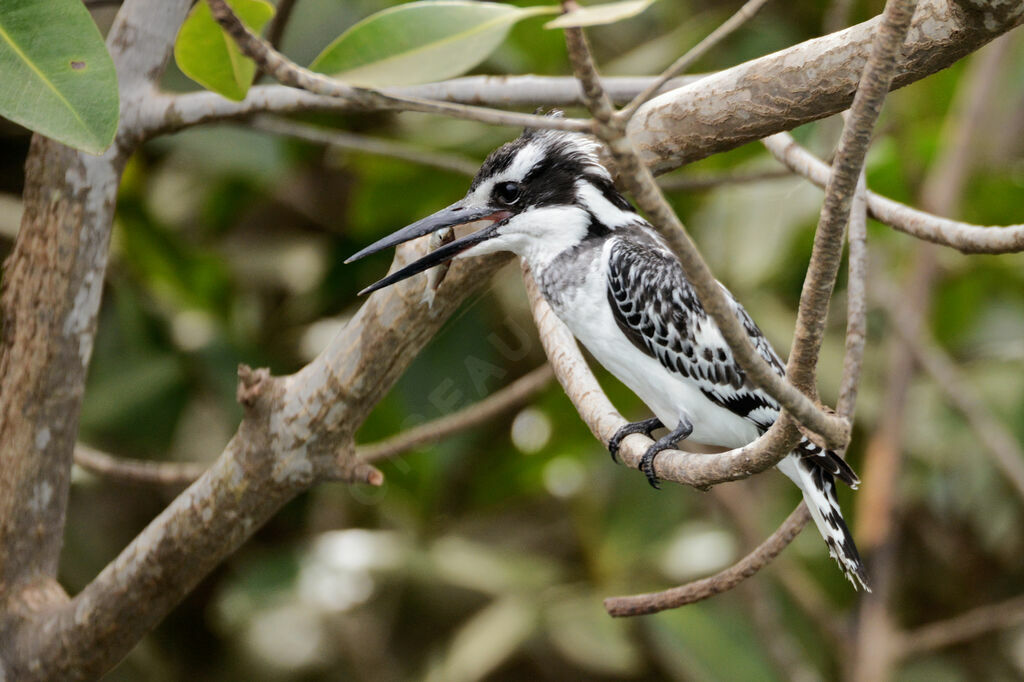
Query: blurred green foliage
x=478 y=558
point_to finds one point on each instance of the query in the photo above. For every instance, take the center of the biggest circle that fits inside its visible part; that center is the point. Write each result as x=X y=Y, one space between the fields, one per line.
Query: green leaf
x=56 y=76
x=420 y=42
x=210 y=57
x=596 y=15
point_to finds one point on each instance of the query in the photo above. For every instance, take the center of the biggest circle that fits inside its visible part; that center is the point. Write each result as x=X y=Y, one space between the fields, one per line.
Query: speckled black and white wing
x=657 y=309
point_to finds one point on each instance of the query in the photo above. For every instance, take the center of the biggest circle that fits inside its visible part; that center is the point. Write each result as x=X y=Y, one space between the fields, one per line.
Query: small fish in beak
x=435 y=276
x=442 y=221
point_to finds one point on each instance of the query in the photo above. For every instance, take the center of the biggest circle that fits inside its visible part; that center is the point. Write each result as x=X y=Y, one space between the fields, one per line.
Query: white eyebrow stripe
x=605 y=211
x=528 y=157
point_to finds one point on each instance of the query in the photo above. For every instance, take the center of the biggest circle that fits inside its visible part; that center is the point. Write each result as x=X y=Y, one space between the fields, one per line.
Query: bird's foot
x=644 y=426
x=666 y=442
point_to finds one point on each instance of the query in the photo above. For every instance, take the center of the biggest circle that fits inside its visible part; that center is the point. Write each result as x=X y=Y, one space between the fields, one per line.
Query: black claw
x=666 y=442
x=647 y=466
x=644 y=426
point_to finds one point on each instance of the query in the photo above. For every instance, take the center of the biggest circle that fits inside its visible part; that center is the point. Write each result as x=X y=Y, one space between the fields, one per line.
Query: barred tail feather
x=819 y=490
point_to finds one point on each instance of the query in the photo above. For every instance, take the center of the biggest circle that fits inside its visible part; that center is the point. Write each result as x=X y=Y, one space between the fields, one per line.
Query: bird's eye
x=508 y=193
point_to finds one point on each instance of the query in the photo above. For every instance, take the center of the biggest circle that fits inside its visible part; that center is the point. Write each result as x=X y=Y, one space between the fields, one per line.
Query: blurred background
x=488 y=556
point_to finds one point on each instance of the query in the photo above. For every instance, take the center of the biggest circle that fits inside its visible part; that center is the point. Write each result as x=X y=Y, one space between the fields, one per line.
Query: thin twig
x=846 y=170
x=689 y=183
x=288 y=72
x=168 y=112
x=748 y=10
x=344 y=140
x=794 y=579
x=876 y=635
x=876 y=511
x=637 y=177
x=961 y=628
x=643 y=604
x=856 y=302
x=964 y=237
x=137 y=470
x=997 y=439
x=182 y=473
x=778 y=642
x=275 y=30
x=282 y=14
x=511 y=396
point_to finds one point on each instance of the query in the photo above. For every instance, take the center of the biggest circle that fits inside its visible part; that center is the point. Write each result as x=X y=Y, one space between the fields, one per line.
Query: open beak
x=456 y=214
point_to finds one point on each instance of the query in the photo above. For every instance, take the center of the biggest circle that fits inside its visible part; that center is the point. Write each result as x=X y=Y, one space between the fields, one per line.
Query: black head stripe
x=608 y=191
x=498 y=161
x=596 y=229
x=552 y=181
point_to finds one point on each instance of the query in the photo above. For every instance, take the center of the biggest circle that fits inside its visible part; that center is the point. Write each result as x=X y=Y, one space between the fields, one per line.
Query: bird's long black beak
x=456 y=214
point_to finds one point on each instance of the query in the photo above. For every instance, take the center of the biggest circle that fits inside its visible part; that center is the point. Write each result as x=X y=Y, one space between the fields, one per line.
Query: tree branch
x=578 y=382
x=962 y=628
x=288 y=72
x=344 y=140
x=640 y=183
x=168 y=112
x=775 y=93
x=644 y=604
x=49 y=302
x=511 y=396
x=964 y=237
x=182 y=473
x=1002 y=445
x=856 y=302
x=742 y=15
x=874 y=84
x=297 y=431
x=137 y=471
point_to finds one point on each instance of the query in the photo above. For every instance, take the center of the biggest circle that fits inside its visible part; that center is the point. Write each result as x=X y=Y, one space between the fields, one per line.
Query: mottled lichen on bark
x=49 y=302
x=673 y=129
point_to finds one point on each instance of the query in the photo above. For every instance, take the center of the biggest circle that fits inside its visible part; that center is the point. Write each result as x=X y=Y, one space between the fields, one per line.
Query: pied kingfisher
x=612 y=280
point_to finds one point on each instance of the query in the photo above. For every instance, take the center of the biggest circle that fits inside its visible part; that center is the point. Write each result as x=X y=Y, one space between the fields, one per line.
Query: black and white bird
x=615 y=284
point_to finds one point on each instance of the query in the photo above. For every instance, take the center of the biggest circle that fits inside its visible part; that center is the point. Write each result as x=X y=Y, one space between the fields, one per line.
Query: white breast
x=588 y=315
